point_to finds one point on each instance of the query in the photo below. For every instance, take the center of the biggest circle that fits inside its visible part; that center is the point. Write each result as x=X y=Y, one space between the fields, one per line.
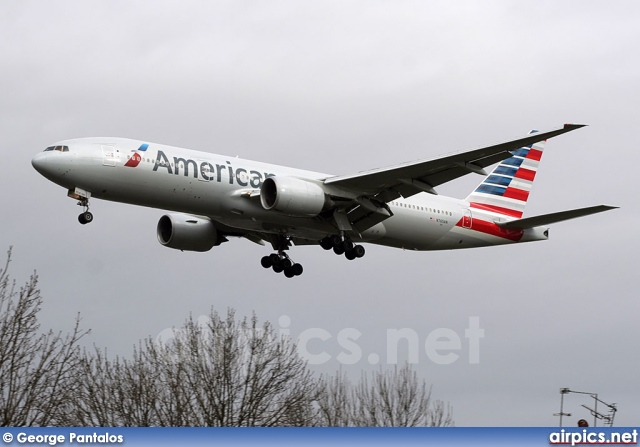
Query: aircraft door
x=109 y=155
x=466 y=219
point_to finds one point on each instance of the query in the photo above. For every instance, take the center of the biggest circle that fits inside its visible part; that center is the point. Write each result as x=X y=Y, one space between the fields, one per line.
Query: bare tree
x=238 y=373
x=335 y=401
x=213 y=372
x=37 y=371
x=118 y=392
x=221 y=372
x=383 y=399
x=225 y=372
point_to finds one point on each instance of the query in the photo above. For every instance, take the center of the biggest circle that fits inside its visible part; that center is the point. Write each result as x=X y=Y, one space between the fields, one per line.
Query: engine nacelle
x=186 y=232
x=293 y=196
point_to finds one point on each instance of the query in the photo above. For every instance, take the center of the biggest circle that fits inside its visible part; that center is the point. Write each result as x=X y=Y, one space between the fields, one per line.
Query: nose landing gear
x=85 y=217
x=82 y=197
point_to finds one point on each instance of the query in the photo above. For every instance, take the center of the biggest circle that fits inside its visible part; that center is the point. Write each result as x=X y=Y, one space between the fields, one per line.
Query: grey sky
x=341 y=87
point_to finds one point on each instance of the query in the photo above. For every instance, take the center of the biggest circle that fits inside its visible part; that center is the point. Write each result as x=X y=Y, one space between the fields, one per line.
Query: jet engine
x=186 y=232
x=293 y=196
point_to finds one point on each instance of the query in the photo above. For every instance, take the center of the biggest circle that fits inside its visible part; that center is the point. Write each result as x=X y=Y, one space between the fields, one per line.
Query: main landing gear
x=280 y=262
x=85 y=217
x=342 y=246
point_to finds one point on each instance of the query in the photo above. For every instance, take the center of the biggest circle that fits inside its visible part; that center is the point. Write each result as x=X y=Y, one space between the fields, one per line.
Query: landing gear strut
x=342 y=245
x=280 y=262
x=85 y=217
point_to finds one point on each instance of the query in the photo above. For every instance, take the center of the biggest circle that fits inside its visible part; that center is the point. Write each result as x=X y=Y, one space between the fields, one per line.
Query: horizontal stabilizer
x=547 y=219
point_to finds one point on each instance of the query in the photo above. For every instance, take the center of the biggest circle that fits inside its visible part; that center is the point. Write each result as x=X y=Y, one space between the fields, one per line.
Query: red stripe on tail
x=482 y=226
x=497 y=209
x=515 y=193
x=525 y=174
x=534 y=154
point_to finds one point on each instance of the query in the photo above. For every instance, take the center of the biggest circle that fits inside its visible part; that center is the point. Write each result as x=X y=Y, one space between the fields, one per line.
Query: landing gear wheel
x=350 y=255
x=280 y=261
x=338 y=249
x=294 y=270
x=326 y=243
x=266 y=262
x=359 y=251
x=85 y=218
x=348 y=245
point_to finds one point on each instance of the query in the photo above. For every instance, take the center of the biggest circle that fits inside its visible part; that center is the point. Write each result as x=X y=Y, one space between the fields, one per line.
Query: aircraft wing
x=548 y=219
x=407 y=179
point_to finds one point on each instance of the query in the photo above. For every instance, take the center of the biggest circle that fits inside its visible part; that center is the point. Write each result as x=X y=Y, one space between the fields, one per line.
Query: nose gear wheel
x=85 y=217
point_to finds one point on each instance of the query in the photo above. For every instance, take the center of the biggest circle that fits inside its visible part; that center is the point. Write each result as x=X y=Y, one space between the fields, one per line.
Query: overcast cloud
x=341 y=87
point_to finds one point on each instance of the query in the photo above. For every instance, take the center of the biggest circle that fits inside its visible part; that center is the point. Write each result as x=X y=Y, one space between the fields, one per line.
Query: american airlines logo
x=202 y=170
x=136 y=158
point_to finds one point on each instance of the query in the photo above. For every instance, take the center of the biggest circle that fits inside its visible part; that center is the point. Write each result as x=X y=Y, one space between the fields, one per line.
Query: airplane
x=213 y=197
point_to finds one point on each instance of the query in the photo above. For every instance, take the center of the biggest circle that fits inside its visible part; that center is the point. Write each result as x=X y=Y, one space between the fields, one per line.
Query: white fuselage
x=226 y=189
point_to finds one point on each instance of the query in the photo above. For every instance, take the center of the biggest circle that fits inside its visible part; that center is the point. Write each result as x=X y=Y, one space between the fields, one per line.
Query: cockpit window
x=57 y=148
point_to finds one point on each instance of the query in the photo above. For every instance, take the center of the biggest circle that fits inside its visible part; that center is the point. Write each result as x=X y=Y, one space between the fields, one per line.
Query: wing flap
x=547 y=219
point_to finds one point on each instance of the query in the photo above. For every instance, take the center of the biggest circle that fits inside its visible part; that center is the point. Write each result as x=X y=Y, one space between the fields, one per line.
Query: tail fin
x=506 y=190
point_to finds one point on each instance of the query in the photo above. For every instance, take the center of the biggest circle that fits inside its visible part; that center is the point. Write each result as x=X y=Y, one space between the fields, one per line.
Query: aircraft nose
x=39 y=162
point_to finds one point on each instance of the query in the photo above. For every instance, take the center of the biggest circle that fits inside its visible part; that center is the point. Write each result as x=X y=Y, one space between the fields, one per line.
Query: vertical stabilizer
x=506 y=190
